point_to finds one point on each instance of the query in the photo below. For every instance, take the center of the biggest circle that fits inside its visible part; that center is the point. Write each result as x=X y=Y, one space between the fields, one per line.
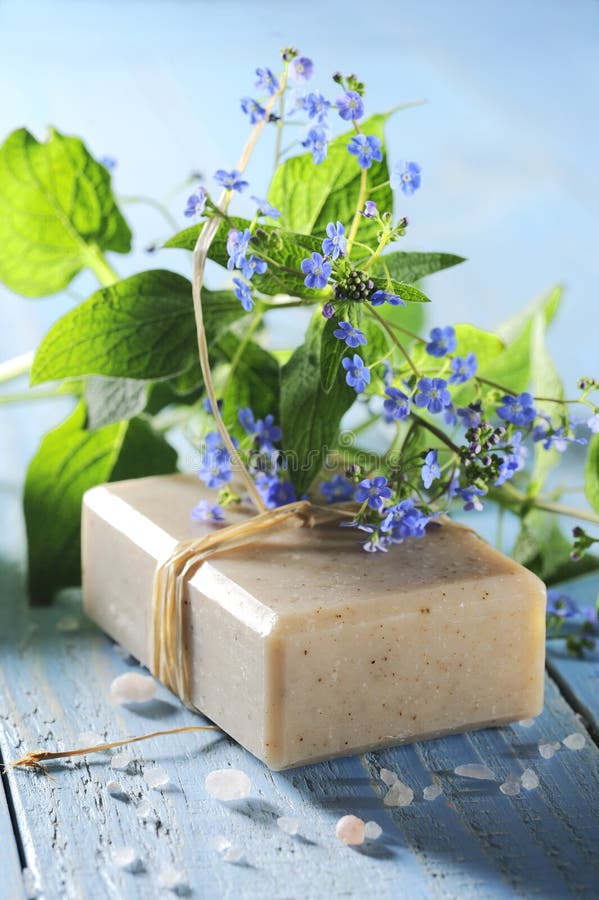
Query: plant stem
x=436 y=431
x=560 y=509
x=386 y=326
x=17 y=366
x=100 y=266
x=357 y=215
x=158 y=206
x=282 y=88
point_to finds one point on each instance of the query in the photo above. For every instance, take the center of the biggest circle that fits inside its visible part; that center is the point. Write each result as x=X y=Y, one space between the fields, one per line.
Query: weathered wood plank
x=12 y=883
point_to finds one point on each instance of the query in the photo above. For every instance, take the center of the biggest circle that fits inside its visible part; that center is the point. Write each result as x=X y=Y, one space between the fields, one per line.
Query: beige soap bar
x=305 y=647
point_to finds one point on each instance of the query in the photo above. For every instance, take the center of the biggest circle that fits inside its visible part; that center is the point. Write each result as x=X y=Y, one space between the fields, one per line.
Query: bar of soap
x=304 y=647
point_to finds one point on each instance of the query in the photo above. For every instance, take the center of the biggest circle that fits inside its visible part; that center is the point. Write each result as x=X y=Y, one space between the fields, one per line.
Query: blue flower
x=237 y=246
x=404 y=520
x=432 y=394
x=265 y=208
x=353 y=337
x=253 y=109
x=316 y=142
x=267 y=433
x=337 y=490
x=370 y=210
x=512 y=462
x=471 y=415
x=463 y=369
x=430 y=470
x=367 y=148
x=373 y=491
x=560 y=604
x=556 y=438
x=232 y=180
x=196 y=203
x=316 y=106
x=334 y=244
x=593 y=423
x=350 y=106
x=328 y=311
x=208 y=406
x=441 y=341
x=471 y=496
x=252 y=265
x=357 y=374
x=449 y=416
x=243 y=292
x=406 y=177
x=317 y=271
x=266 y=81
x=109 y=162
x=275 y=492
x=215 y=468
x=301 y=69
x=517 y=410
x=207 y=512
x=377 y=298
x=396 y=406
x=246 y=419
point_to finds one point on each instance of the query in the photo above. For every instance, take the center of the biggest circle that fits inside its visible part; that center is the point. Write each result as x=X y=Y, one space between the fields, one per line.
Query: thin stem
x=26 y=396
x=436 y=431
x=560 y=509
x=282 y=88
x=357 y=215
x=102 y=269
x=158 y=206
x=397 y=343
x=242 y=345
x=17 y=366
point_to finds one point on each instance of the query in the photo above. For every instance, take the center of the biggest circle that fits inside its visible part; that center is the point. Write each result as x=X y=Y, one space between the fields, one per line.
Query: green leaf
x=414 y=266
x=142 y=327
x=548 y=305
x=253 y=382
x=542 y=548
x=332 y=350
x=310 y=196
x=309 y=417
x=546 y=382
x=112 y=400
x=69 y=461
x=591 y=473
x=57 y=211
x=407 y=292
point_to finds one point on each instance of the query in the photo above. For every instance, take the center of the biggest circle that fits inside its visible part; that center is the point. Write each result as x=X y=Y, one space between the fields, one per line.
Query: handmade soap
x=303 y=646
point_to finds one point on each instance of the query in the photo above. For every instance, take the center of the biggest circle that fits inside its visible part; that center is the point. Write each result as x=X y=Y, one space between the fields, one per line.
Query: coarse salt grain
x=574 y=741
x=220 y=843
x=228 y=784
x=233 y=854
x=475 y=770
x=30 y=884
x=144 y=810
x=511 y=786
x=288 y=825
x=388 y=777
x=171 y=879
x=399 y=794
x=125 y=858
x=529 y=780
x=156 y=777
x=131 y=687
x=547 y=748
x=350 y=830
x=372 y=831
x=114 y=788
x=68 y=623
x=121 y=760
x=431 y=792
x=526 y=723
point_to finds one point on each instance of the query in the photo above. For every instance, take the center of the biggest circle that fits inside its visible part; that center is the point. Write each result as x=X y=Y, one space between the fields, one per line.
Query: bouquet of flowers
x=463 y=417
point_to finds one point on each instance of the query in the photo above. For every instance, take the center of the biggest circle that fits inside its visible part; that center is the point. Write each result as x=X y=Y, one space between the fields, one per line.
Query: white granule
x=114 y=788
x=228 y=784
x=288 y=825
x=529 y=779
x=143 y=810
x=351 y=830
x=547 y=748
x=233 y=854
x=399 y=794
x=388 y=777
x=30 y=884
x=431 y=792
x=220 y=843
x=172 y=879
x=511 y=786
x=68 y=623
x=372 y=831
x=574 y=741
x=90 y=739
x=156 y=777
x=121 y=760
x=475 y=770
x=526 y=723
x=125 y=858
x=131 y=687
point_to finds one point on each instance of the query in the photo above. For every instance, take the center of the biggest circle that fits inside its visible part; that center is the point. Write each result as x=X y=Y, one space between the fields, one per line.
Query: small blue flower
x=328 y=311
x=357 y=374
x=316 y=106
x=237 y=246
x=593 y=423
x=337 y=490
x=396 y=406
x=406 y=177
x=265 y=208
x=471 y=415
x=377 y=298
x=215 y=468
x=208 y=406
x=231 y=181
x=404 y=520
x=560 y=604
x=196 y=203
x=441 y=341
x=463 y=369
x=267 y=433
x=334 y=245
x=367 y=148
x=353 y=337
x=449 y=416
x=253 y=109
x=316 y=141
x=275 y=492
x=109 y=162
x=207 y=512
x=350 y=106
x=243 y=292
x=374 y=491
x=253 y=265
x=317 y=271
x=471 y=496
x=246 y=419
x=512 y=462
x=556 y=438
x=432 y=394
x=370 y=210
x=517 y=410
x=267 y=81
x=430 y=470
x=301 y=69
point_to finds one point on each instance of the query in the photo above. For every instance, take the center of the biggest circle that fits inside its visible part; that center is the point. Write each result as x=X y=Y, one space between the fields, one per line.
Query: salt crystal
x=30 y=884
x=399 y=794
x=431 y=792
x=90 y=739
x=350 y=830
x=144 y=810
x=511 y=786
x=156 y=777
x=529 y=779
x=171 y=879
x=121 y=760
x=68 y=623
x=220 y=843
x=547 y=748
x=288 y=825
x=574 y=741
x=114 y=788
x=388 y=777
x=526 y=723
x=228 y=784
x=125 y=858
x=131 y=687
x=475 y=770
x=372 y=831
x=233 y=854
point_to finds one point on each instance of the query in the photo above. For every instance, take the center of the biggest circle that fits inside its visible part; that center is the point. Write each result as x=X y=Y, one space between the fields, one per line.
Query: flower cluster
x=579 y=627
